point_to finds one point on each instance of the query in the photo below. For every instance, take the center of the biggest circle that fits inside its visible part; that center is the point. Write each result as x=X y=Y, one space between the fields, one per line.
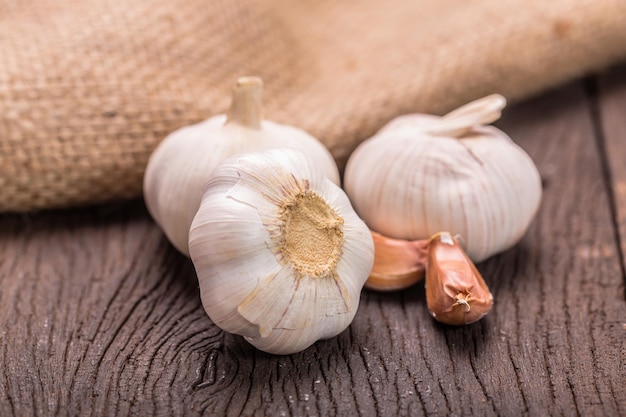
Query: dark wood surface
x=99 y=315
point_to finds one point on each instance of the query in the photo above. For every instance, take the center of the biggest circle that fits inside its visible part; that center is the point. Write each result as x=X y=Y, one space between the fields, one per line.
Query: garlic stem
x=485 y=110
x=459 y=122
x=246 y=108
x=398 y=263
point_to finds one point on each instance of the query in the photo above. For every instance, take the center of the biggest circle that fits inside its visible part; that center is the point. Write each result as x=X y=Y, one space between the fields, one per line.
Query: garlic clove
x=280 y=254
x=398 y=263
x=179 y=167
x=456 y=293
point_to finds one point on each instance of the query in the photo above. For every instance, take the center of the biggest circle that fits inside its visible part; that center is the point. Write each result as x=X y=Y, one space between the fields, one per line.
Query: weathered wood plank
x=100 y=316
x=568 y=300
x=611 y=109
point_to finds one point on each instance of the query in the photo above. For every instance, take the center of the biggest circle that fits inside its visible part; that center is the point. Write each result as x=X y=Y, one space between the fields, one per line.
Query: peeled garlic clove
x=456 y=293
x=280 y=254
x=398 y=264
x=422 y=174
x=180 y=166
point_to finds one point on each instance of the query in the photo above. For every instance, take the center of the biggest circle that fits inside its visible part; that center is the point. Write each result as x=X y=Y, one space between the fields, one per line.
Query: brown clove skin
x=456 y=293
x=398 y=263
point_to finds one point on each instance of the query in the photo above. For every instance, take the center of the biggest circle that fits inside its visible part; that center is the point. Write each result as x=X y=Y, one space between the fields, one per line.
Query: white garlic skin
x=409 y=183
x=179 y=167
x=250 y=284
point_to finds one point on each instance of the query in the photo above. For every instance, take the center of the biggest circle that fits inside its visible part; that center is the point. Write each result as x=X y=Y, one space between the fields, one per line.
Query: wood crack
x=592 y=93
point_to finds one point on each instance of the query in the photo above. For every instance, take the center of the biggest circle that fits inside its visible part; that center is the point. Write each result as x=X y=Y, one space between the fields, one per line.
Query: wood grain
x=610 y=109
x=99 y=315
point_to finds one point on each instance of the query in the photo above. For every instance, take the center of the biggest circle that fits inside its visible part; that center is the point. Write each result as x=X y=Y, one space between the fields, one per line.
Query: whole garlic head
x=422 y=174
x=280 y=254
x=180 y=166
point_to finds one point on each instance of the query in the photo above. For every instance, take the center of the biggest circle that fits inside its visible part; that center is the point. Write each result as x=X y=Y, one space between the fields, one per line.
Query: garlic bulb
x=280 y=254
x=422 y=174
x=180 y=166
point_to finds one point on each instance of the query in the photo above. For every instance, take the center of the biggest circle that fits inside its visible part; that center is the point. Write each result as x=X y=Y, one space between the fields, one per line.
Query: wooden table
x=99 y=315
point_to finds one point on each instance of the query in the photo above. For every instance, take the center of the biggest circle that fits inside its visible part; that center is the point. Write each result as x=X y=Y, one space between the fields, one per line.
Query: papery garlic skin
x=280 y=254
x=415 y=178
x=180 y=166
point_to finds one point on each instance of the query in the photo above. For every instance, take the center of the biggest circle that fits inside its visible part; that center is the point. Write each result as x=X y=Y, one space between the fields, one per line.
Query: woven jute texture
x=89 y=87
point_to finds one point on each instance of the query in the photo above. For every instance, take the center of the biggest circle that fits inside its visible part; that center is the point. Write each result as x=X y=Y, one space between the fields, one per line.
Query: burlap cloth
x=88 y=88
